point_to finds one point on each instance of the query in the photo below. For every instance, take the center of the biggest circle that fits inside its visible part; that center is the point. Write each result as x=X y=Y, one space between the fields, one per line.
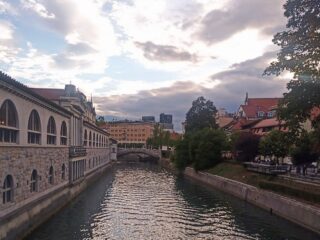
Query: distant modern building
x=165 y=118
x=166 y=121
x=148 y=119
x=130 y=131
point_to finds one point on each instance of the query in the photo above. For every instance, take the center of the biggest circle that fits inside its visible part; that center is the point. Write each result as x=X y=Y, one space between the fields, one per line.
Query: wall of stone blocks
x=19 y=162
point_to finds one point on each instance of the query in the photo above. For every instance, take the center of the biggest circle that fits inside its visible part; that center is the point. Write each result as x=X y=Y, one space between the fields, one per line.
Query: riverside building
x=49 y=143
x=130 y=132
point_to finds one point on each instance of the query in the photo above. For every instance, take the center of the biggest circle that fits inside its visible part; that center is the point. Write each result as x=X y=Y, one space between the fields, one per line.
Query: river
x=145 y=201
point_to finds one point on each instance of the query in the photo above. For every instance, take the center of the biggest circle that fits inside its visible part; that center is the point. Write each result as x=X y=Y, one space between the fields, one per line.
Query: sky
x=142 y=57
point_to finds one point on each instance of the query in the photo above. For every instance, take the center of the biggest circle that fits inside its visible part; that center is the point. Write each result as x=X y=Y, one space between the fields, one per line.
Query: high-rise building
x=165 y=118
x=166 y=121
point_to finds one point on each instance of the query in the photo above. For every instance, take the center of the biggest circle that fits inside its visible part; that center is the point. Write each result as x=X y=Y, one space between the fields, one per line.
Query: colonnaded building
x=49 y=142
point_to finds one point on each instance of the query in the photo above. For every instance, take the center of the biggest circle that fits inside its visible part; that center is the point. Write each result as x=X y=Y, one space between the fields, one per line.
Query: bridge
x=155 y=153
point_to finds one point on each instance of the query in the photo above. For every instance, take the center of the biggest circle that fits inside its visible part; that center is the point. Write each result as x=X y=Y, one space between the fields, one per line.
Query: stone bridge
x=155 y=153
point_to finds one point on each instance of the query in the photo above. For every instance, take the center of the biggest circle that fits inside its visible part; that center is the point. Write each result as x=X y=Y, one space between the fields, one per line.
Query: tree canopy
x=201 y=115
x=299 y=54
x=274 y=144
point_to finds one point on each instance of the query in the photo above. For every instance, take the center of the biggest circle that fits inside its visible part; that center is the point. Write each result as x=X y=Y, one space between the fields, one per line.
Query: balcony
x=77 y=151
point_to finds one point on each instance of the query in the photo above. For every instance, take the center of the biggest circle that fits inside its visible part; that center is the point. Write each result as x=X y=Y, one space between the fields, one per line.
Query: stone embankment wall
x=300 y=213
x=29 y=215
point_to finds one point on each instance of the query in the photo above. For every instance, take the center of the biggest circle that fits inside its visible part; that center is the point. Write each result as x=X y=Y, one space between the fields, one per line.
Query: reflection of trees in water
x=236 y=213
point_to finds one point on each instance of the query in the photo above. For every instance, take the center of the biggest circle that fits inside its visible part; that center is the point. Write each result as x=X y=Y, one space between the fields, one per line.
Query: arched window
x=85 y=141
x=63 y=172
x=51 y=131
x=7 y=192
x=50 y=178
x=97 y=141
x=90 y=138
x=8 y=122
x=94 y=140
x=34 y=181
x=34 y=128
x=63 y=133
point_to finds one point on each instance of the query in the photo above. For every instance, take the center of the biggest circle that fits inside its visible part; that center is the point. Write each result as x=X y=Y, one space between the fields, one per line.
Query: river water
x=145 y=201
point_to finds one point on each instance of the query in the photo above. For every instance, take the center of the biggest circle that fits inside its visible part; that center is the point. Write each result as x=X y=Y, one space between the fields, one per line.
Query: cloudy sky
x=142 y=57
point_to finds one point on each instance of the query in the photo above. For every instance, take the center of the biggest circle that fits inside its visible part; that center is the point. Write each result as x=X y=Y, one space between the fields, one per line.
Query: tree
x=201 y=115
x=299 y=54
x=275 y=144
x=247 y=146
x=306 y=150
x=181 y=158
x=209 y=149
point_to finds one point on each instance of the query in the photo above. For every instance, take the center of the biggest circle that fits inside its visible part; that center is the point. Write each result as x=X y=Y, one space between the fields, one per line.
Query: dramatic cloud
x=156 y=52
x=218 y=25
x=140 y=57
x=177 y=99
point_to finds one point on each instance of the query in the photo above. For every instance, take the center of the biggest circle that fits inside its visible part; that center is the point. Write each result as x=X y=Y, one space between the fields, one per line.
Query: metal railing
x=77 y=151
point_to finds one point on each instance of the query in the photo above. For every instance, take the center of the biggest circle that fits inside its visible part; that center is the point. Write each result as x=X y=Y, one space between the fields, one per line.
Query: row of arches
x=94 y=140
x=9 y=126
x=8 y=184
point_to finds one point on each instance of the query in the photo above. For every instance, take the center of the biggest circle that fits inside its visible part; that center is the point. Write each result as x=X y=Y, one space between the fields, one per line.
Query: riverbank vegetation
x=301 y=191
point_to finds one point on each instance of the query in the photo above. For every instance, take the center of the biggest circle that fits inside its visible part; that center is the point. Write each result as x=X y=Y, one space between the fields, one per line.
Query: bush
x=201 y=149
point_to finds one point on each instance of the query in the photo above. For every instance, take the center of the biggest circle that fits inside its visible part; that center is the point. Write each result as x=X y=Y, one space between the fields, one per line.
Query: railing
x=267 y=169
x=77 y=151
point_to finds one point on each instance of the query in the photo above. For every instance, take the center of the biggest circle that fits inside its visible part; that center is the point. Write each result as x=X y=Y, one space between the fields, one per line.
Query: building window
x=85 y=141
x=94 y=140
x=34 y=181
x=50 y=178
x=260 y=114
x=63 y=133
x=34 y=128
x=97 y=141
x=7 y=192
x=63 y=172
x=90 y=138
x=51 y=131
x=8 y=122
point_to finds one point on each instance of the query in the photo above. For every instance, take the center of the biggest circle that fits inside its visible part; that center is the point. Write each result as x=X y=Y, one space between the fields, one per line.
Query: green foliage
x=181 y=158
x=201 y=149
x=299 y=54
x=275 y=143
x=305 y=150
x=208 y=151
x=160 y=138
x=201 y=115
x=247 y=146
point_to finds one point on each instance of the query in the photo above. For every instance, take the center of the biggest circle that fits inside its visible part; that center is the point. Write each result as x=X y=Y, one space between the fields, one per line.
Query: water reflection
x=143 y=201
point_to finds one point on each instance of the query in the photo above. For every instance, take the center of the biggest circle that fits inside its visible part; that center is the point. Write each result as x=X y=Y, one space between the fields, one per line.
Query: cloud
x=220 y=24
x=229 y=92
x=161 y=53
x=7 y=8
x=38 y=8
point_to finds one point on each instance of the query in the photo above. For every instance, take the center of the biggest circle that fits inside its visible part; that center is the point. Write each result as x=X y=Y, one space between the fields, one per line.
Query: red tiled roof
x=224 y=121
x=254 y=105
x=271 y=122
x=266 y=102
x=49 y=93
